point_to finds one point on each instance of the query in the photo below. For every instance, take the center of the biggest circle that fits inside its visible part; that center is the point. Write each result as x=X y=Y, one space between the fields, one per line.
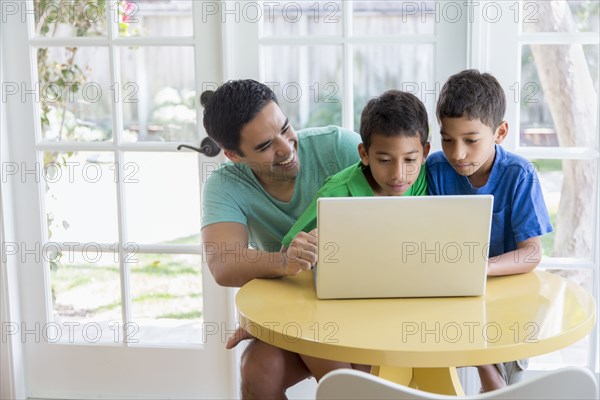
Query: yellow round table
x=420 y=341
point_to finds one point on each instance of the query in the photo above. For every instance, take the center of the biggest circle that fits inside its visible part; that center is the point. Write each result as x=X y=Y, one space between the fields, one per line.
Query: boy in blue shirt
x=470 y=111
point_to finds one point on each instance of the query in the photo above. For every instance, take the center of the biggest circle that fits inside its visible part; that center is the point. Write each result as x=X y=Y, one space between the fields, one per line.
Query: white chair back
x=566 y=383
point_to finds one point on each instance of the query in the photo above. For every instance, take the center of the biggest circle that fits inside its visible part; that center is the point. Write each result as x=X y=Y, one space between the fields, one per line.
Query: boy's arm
x=305 y=223
x=525 y=258
x=232 y=263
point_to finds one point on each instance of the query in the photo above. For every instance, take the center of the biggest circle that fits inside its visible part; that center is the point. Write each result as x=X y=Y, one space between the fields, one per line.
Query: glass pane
x=162 y=198
x=290 y=18
x=80 y=199
x=86 y=295
x=306 y=80
x=559 y=16
x=75 y=93
x=577 y=353
x=166 y=297
x=394 y=17
x=59 y=18
x=385 y=67
x=158 y=98
x=155 y=18
x=558 y=95
x=569 y=189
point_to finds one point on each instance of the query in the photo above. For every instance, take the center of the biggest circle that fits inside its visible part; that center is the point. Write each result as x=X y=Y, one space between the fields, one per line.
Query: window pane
x=155 y=18
x=86 y=296
x=385 y=67
x=166 y=301
x=569 y=189
x=80 y=198
x=577 y=353
x=75 y=93
x=307 y=82
x=162 y=198
x=158 y=98
x=393 y=17
x=291 y=18
x=558 y=96
x=59 y=18
x=560 y=16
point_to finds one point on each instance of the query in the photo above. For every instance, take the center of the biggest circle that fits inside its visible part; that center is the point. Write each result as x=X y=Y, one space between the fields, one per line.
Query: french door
x=115 y=299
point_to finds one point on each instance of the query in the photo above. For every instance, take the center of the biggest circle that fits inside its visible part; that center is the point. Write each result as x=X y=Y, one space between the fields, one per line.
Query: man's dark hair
x=394 y=113
x=473 y=95
x=230 y=107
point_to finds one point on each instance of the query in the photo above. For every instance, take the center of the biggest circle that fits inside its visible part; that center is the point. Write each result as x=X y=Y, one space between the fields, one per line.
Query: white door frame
x=39 y=369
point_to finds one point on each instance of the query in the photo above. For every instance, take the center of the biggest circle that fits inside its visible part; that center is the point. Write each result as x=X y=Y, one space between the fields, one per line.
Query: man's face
x=394 y=161
x=469 y=146
x=269 y=146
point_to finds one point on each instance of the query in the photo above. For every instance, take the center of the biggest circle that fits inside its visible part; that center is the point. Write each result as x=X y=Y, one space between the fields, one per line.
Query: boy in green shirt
x=394 y=132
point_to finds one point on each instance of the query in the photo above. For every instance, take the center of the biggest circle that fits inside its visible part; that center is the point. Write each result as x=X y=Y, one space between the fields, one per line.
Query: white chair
x=567 y=383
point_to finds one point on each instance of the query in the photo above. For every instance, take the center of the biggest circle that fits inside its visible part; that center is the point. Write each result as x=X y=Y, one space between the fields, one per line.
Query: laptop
x=422 y=246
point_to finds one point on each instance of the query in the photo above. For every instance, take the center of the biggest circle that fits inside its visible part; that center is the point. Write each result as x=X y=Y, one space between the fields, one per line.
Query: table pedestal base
x=433 y=380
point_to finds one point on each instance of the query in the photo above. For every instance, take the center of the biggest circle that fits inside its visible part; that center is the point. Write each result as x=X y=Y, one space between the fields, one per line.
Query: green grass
x=79 y=281
x=151 y=269
x=146 y=297
x=71 y=276
x=187 y=315
x=547 y=165
x=191 y=239
x=88 y=267
x=548 y=239
x=544 y=165
x=106 y=307
x=167 y=269
x=162 y=264
x=164 y=296
x=154 y=296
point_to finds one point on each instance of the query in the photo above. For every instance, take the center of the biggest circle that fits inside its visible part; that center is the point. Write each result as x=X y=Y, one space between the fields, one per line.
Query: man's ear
x=232 y=155
x=501 y=132
x=426 y=149
x=362 y=152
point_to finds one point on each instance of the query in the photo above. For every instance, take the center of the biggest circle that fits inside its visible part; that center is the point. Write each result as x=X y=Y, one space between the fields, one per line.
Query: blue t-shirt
x=519 y=209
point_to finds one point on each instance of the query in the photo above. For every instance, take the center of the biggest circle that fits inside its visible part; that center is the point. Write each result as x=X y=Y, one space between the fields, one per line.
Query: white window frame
x=11 y=353
x=238 y=51
x=22 y=225
x=242 y=57
x=242 y=42
x=496 y=48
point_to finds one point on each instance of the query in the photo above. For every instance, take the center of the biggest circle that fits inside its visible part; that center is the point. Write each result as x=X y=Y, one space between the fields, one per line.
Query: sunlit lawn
x=161 y=286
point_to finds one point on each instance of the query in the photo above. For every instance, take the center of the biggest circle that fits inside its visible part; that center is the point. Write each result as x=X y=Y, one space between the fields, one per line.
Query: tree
x=569 y=90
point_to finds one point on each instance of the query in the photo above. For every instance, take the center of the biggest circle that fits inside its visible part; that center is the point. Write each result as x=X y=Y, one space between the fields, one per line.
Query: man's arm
x=232 y=263
x=525 y=258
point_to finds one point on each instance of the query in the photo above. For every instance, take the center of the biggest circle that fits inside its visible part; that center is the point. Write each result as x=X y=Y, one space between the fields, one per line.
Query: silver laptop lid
x=403 y=246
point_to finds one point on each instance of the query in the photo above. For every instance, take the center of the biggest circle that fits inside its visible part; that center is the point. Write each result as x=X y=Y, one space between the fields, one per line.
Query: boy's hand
x=239 y=335
x=301 y=255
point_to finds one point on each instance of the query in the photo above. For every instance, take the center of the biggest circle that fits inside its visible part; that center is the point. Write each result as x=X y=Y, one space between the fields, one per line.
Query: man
x=251 y=202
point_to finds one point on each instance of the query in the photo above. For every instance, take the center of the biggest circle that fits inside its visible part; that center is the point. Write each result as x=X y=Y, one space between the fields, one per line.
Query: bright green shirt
x=350 y=182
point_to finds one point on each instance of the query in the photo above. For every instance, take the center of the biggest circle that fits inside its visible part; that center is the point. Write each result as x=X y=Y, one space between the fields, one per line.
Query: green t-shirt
x=350 y=182
x=233 y=194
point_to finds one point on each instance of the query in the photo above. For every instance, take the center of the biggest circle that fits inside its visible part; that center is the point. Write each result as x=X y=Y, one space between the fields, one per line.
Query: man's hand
x=301 y=255
x=239 y=335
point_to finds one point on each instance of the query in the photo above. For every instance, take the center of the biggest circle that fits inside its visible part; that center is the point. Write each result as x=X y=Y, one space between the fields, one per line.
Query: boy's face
x=394 y=161
x=269 y=145
x=469 y=146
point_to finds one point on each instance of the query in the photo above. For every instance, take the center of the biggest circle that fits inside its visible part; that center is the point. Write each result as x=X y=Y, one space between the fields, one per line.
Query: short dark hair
x=473 y=95
x=394 y=113
x=230 y=107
